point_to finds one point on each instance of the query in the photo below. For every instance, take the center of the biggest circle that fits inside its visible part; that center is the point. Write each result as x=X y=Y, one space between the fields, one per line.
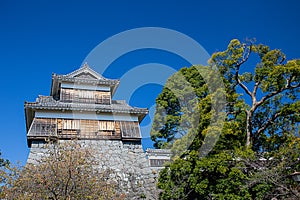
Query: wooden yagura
x=80 y=106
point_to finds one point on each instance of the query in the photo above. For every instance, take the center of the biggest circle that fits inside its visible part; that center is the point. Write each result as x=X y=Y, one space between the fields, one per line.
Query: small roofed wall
x=158 y=157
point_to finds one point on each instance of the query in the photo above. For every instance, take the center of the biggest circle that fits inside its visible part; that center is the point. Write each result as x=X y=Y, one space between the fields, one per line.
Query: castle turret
x=80 y=106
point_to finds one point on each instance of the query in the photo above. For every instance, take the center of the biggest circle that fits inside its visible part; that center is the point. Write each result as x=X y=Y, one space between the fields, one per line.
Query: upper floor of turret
x=83 y=86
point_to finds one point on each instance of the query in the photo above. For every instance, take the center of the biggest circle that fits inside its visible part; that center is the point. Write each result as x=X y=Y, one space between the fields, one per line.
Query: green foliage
x=3 y=165
x=176 y=111
x=215 y=176
x=185 y=178
x=273 y=90
x=3 y=162
x=258 y=147
x=270 y=176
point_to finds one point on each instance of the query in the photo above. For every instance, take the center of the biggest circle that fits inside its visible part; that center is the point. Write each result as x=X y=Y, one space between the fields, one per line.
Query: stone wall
x=128 y=161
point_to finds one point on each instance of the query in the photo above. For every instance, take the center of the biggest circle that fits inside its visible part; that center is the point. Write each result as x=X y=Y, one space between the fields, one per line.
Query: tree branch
x=244 y=87
x=246 y=56
x=268 y=123
x=255 y=88
x=270 y=95
x=239 y=82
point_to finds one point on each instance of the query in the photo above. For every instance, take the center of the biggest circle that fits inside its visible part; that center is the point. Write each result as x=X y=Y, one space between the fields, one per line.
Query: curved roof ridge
x=85 y=68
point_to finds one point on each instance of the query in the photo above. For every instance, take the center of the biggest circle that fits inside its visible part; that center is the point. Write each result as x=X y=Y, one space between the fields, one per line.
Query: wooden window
x=85 y=96
x=110 y=125
x=89 y=127
x=72 y=127
x=102 y=97
x=106 y=125
x=43 y=127
x=117 y=128
x=130 y=129
x=68 y=126
x=157 y=162
x=67 y=95
x=102 y=125
x=59 y=126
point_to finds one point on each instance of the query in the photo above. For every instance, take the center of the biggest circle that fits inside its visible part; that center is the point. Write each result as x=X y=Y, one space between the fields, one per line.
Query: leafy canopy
x=258 y=147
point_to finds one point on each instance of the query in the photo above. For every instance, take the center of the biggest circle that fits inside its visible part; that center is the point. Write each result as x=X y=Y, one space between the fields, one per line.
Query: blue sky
x=38 y=38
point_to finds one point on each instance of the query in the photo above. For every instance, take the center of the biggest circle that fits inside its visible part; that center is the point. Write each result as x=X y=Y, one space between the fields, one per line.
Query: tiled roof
x=48 y=103
x=86 y=74
x=159 y=151
x=86 y=80
x=86 y=69
x=83 y=75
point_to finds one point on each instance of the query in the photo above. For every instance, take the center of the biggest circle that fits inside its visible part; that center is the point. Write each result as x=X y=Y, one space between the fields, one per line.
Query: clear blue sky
x=41 y=37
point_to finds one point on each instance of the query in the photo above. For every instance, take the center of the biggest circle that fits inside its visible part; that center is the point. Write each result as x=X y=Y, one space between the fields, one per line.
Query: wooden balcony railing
x=83 y=129
x=85 y=96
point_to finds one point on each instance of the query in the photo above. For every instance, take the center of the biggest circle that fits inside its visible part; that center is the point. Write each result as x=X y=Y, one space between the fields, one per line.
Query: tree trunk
x=248 y=129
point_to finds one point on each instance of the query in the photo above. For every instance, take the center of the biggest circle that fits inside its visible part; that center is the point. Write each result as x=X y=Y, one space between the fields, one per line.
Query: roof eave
x=29 y=115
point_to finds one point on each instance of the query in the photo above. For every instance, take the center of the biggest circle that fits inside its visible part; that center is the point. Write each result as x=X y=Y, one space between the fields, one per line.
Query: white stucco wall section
x=83 y=115
x=85 y=87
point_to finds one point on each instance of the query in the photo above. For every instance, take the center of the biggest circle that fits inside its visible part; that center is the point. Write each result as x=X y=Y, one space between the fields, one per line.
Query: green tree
x=174 y=105
x=273 y=90
x=270 y=175
x=260 y=126
x=4 y=163
x=182 y=179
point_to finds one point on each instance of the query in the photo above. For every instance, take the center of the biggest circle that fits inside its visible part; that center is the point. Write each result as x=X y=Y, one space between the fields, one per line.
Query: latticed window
x=130 y=129
x=89 y=127
x=106 y=125
x=43 y=127
x=85 y=96
x=102 y=97
x=157 y=162
x=84 y=128
x=68 y=126
x=71 y=124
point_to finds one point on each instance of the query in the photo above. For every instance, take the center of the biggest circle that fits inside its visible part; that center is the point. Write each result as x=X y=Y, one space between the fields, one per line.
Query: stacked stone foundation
x=127 y=160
